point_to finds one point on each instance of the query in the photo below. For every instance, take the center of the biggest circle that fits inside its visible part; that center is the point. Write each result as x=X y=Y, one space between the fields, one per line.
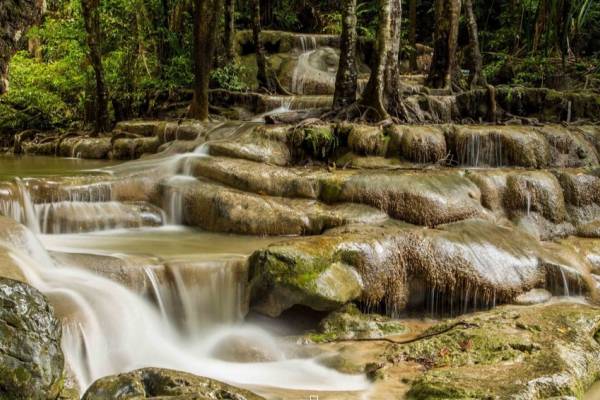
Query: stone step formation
x=444 y=259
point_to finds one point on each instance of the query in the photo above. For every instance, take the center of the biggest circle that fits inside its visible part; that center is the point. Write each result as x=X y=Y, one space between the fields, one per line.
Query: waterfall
x=109 y=329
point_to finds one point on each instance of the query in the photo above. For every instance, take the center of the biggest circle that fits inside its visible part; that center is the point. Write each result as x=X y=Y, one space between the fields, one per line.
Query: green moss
x=434 y=389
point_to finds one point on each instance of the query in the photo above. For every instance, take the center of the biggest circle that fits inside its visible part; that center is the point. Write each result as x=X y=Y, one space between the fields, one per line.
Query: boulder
x=31 y=359
x=154 y=383
x=534 y=296
x=466 y=263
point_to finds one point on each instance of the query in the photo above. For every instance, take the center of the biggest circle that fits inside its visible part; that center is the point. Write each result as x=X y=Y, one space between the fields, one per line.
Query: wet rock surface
x=512 y=352
x=154 y=383
x=31 y=359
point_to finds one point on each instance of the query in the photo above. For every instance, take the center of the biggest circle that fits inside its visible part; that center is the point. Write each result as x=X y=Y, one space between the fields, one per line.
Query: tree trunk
x=476 y=77
x=91 y=19
x=373 y=95
x=347 y=74
x=412 y=34
x=17 y=18
x=540 y=24
x=163 y=45
x=229 y=34
x=445 y=40
x=265 y=81
x=206 y=15
x=392 y=63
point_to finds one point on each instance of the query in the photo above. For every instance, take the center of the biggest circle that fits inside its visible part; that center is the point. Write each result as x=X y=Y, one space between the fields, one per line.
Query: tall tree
x=229 y=34
x=392 y=62
x=91 y=20
x=476 y=77
x=374 y=93
x=412 y=33
x=445 y=40
x=265 y=80
x=347 y=74
x=206 y=16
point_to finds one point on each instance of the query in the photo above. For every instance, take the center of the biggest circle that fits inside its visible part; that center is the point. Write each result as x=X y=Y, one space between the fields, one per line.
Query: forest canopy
x=146 y=49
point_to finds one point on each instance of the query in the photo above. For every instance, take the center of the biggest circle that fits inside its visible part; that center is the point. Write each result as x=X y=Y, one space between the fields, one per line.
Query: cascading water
x=187 y=318
x=109 y=329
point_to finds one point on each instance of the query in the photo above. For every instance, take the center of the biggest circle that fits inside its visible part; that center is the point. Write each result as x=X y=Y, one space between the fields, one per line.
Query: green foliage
x=42 y=95
x=332 y=23
x=286 y=15
x=229 y=77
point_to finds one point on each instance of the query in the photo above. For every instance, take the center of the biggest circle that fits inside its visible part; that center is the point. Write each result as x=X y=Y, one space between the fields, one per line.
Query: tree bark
x=392 y=63
x=265 y=81
x=476 y=77
x=91 y=19
x=17 y=18
x=229 y=34
x=412 y=34
x=347 y=74
x=445 y=41
x=206 y=15
x=373 y=95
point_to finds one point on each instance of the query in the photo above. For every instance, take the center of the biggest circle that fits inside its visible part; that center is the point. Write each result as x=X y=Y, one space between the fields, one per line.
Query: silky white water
x=109 y=329
x=191 y=311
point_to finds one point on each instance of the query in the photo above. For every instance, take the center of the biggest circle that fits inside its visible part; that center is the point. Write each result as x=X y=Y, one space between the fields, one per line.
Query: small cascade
x=156 y=291
x=199 y=295
x=75 y=216
x=173 y=199
x=109 y=329
x=477 y=150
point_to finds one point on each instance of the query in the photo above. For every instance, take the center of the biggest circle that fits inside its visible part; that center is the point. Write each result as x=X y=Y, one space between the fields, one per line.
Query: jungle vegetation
x=95 y=62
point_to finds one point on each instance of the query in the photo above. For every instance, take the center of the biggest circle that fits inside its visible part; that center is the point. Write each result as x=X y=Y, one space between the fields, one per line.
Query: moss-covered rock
x=534 y=352
x=467 y=263
x=154 y=383
x=423 y=144
x=31 y=359
x=350 y=323
x=284 y=275
x=367 y=140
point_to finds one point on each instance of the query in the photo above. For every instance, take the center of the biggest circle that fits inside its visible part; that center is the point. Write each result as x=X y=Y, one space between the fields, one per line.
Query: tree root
x=462 y=324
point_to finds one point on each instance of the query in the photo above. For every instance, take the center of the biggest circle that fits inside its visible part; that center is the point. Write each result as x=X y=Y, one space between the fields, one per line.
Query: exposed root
x=461 y=324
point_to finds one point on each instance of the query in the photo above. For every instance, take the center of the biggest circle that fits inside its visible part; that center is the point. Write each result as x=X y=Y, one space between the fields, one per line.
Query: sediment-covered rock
x=536 y=191
x=219 y=208
x=423 y=198
x=267 y=145
x=73 y=217
x=536 y=352
x=31 y=359
x=154 y=383
x=463 y=264
x=496 y=146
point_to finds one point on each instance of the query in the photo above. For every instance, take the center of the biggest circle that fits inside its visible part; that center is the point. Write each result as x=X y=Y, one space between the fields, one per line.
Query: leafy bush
x=229 y=77
x=42 y=95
